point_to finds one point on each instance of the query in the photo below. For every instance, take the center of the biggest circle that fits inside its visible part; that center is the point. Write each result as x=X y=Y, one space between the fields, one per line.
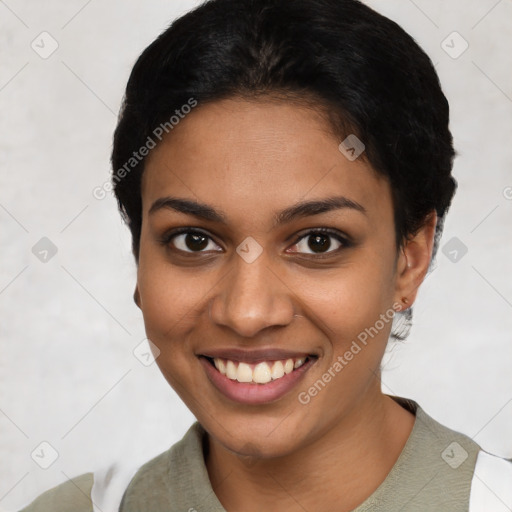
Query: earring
x=405 y=300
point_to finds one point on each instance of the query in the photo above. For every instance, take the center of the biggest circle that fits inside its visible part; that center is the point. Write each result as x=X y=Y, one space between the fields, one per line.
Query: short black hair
x=361 y=69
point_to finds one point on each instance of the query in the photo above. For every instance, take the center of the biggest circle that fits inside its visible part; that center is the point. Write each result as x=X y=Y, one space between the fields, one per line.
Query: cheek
x=170 y=299
x=351 y=298
x=169 y=295
x=170 y=305
x=163 y=301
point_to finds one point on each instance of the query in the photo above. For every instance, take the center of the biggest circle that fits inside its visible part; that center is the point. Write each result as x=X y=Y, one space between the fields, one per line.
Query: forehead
x=258 y=157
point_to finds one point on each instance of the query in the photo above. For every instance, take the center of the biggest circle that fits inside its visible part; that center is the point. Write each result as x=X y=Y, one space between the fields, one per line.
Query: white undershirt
x=491 y=487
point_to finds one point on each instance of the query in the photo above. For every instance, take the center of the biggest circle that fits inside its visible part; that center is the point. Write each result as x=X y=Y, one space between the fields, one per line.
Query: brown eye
x=189 y=241
x=319 y=241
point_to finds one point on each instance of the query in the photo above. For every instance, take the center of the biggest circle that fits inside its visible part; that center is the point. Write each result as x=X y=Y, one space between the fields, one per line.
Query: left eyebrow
x=316 y=207
x=298 y=210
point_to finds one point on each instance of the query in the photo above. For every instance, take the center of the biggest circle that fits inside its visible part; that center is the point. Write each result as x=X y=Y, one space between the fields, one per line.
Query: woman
x=285 y=171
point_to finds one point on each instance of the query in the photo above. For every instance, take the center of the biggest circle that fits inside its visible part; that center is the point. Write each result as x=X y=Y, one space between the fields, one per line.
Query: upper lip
x=253 y=356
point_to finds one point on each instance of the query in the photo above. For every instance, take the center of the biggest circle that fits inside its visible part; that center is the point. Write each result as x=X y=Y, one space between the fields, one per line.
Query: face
x=253 y=289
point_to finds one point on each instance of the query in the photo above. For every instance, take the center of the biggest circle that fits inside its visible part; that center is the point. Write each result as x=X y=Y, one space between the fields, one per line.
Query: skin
x=251 y=159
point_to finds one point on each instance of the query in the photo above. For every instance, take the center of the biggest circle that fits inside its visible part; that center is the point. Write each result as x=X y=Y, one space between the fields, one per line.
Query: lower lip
x=252 y=393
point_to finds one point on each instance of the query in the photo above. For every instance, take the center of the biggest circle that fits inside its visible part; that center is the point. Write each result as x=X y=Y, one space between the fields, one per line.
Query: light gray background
x=69 y=326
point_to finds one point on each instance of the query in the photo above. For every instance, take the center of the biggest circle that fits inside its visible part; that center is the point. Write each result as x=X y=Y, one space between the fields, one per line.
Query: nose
x=252 y=297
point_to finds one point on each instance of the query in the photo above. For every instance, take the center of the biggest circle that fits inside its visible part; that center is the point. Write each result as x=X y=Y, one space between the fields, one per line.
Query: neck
x=336 y=472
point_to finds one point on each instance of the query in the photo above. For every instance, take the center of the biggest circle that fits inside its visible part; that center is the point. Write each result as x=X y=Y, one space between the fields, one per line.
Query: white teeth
x=277 y=370
x=219 y=364
x=299 y=362
x=244 y=373
x=231 y=370
x=262 y=373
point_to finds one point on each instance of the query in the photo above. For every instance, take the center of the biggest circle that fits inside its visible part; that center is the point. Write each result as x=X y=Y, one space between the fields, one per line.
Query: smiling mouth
x=257 y=373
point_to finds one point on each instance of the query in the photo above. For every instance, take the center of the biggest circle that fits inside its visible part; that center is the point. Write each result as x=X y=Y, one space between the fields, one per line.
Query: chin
x=258 y=436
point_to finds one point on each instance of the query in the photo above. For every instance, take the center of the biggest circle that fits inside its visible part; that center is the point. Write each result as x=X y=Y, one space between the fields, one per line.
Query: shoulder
x=172 y=480
x=152 y=475
x=480 y=478
x=434 y=470
x=491 y=488
x=163 y=483
x=75 y=495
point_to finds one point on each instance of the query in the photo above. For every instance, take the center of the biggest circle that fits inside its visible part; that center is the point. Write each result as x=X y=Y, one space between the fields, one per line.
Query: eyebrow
x=299 y=210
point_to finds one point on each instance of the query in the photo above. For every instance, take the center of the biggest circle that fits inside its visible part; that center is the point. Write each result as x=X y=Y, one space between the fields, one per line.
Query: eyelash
x=346 y=243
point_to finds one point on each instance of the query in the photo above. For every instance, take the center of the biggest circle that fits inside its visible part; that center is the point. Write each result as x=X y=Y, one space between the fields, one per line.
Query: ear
x=136 y=296
x=413 y=261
